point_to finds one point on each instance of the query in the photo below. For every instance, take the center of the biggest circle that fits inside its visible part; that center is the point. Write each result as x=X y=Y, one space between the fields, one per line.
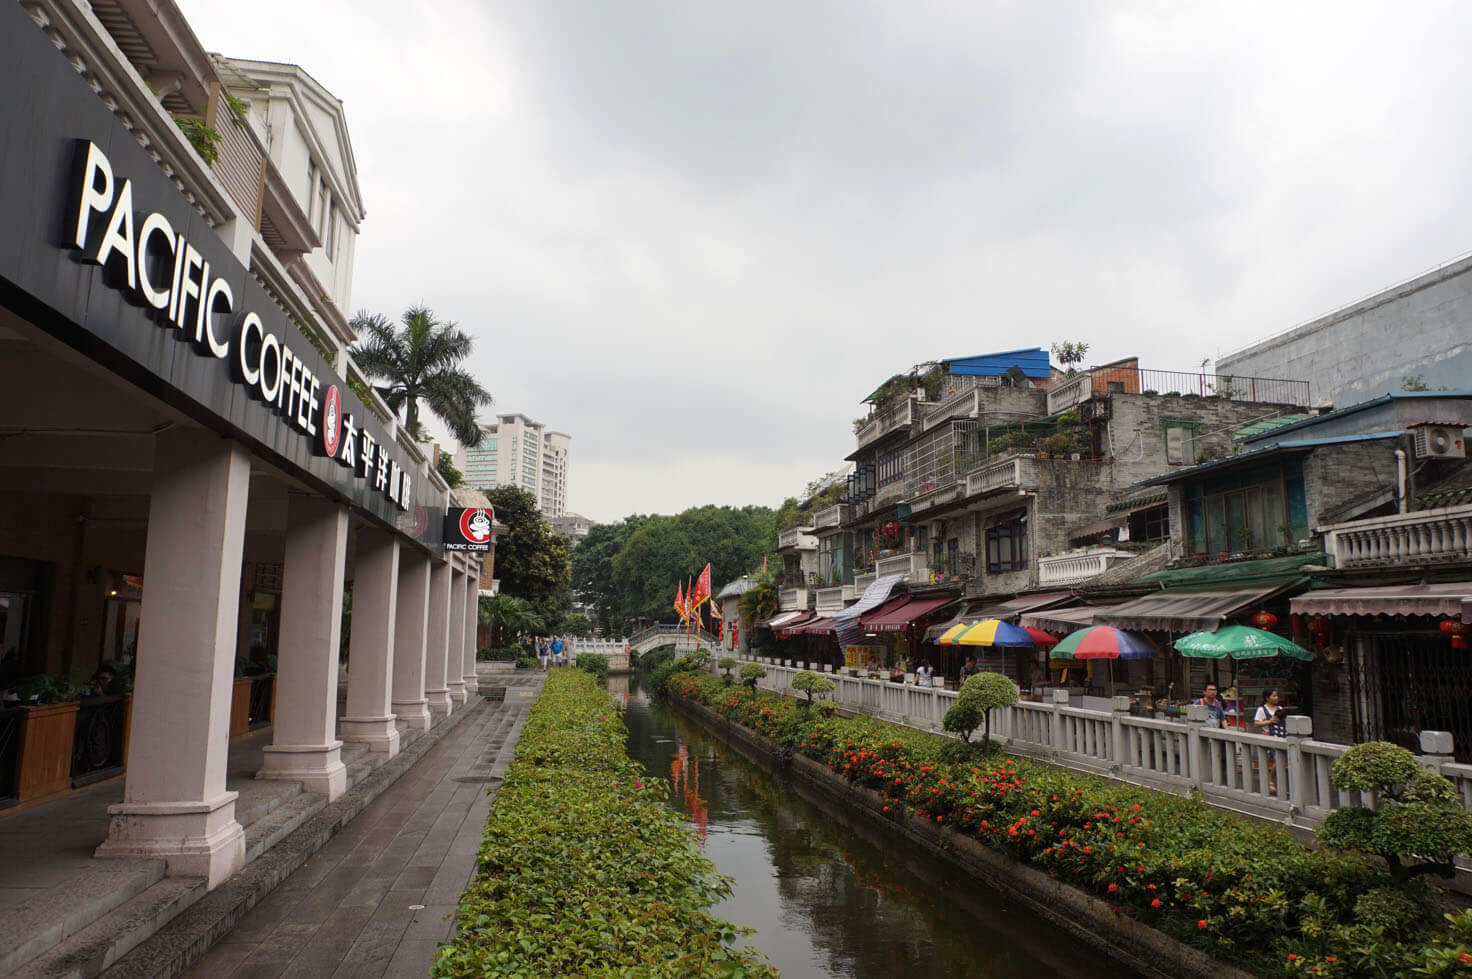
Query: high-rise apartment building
x=517 y=451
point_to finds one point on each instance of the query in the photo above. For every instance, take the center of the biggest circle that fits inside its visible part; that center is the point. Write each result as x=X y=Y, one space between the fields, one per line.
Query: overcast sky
x=695 y=235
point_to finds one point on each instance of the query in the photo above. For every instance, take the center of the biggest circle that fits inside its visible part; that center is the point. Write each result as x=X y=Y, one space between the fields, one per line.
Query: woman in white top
x=923 y=673
x=1269 y=720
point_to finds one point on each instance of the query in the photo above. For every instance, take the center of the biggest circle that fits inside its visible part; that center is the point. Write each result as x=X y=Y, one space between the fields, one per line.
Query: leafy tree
x=577 y=624
x=759 y=602
x=1417 y=816
x=531 y=560
x=1069 y=354
x=727 y=663
x=811 y=683
x=445 y=466
x=509 y=617
x=421 y=360
x=593 y=579
x=750 y=673
x=979 y=694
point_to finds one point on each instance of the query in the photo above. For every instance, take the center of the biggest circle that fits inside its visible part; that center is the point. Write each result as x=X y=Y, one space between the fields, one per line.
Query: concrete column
x=472 y=619
x=175 y=804
x=411 y=626
x=370 y=718
x=304 y=745
x=437 y=639
x=455 y=647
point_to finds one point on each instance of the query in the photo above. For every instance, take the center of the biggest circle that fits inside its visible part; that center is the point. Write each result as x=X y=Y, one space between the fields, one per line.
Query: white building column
x=437 y=639
x=472 y=619
x=370 y=718
x=455 y=648
x=175 y=804
x=304 y=745
x=411 y=627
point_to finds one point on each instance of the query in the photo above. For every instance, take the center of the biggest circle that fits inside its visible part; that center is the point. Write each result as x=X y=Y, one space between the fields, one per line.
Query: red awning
x=896 y=617
x=1441 y=599
x=822 y=625
x=788 y=629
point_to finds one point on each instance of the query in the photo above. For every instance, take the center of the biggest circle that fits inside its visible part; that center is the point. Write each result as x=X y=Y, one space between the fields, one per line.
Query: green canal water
x=829 y=894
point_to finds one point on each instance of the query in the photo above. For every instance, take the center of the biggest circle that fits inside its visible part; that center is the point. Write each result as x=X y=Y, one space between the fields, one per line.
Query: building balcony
x=834 y=598
x=886 y=421
x=1018 y=472
x=1420 y=537
x=1131 y=380
x=912 y=565
x=1078 y=565
x=831 y=518
x=797 y=539
x=792 y=599
x=863 y=580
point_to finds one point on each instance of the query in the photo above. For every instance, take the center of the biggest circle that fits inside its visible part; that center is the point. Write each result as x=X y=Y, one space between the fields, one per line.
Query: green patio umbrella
x=1239 y=642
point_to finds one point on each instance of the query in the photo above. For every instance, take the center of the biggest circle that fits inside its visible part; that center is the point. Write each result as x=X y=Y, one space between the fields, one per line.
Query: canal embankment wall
x=1127 y=941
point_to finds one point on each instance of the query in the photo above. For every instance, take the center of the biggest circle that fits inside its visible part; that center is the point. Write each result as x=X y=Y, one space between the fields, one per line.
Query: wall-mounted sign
x=161 y=271
x=469 y=528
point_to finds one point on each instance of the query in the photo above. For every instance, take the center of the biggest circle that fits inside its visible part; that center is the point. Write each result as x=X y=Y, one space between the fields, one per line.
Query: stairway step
x=97 y=946
x=271 y=829
x=57 y=913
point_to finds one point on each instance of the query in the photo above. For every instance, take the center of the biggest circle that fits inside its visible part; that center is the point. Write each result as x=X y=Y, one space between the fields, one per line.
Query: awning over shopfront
x=1440 y=599
x=1063 y=619
x=777 y=621
x=1014 y=607
x=1180 y=610
x=896 y=618
x=822 y=625
x=790 y=628
x=874 y=595
x=1099 y=526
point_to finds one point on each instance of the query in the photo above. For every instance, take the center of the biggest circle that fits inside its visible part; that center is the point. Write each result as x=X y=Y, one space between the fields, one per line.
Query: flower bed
x=1246 y=894
x=582 y=871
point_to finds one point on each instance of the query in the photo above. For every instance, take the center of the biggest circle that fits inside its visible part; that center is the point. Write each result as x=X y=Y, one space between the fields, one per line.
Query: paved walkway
x=379 y=898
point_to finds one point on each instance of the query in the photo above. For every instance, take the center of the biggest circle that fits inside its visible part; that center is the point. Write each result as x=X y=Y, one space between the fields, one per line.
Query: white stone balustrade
x=798 y=538
x=1417 y=537
x=830 y=517
x=1078 y=565
x=1017 y=472
x=912 y=565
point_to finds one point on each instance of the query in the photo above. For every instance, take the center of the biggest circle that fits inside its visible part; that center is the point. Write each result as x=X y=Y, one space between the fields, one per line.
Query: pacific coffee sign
x=469 y=529
x=157 y=267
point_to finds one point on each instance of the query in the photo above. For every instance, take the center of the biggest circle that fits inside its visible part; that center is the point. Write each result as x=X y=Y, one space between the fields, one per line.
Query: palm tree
x=508 y=614
x=422 y=360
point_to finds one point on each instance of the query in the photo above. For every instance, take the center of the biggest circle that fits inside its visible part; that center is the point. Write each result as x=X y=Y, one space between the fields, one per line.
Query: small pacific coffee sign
x=469 y=528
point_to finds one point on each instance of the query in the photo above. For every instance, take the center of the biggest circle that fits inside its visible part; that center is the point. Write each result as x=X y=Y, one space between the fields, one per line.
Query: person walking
x=544 y=653
x=1216 y=711
x=557 y=648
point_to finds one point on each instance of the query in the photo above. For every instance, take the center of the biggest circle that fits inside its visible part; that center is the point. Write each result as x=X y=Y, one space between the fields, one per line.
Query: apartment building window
x=891 y=467
x=1006 y=545
x=1253 y=508
x=332 y=233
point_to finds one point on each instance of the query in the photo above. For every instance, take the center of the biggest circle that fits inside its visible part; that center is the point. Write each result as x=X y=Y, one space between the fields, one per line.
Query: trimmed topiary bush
x=973 y=707
x=811 y=683
x=750 y=673
x=727 y=663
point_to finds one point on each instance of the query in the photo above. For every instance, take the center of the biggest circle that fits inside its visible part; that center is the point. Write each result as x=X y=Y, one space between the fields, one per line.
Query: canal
x=828 y=894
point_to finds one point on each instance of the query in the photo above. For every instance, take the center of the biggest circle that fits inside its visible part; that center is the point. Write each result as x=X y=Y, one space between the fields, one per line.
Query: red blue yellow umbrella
x=993 y=632
x=1103 y=642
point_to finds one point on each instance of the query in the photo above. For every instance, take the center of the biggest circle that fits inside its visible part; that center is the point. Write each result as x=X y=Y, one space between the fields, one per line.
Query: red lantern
x=1264 y=620
x=1320 y=626
x=1457 y=631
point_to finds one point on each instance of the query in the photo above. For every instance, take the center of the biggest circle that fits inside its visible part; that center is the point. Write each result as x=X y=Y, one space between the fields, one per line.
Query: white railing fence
x=1284 y=779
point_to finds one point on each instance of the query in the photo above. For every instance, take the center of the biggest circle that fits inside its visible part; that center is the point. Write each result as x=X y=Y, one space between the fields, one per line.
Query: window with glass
x=1254 y=508
x=891 y=468
x=1006 y=545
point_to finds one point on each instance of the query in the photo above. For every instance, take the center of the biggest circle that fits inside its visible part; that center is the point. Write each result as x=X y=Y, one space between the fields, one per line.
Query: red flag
x=701 y=595
x=680 y=602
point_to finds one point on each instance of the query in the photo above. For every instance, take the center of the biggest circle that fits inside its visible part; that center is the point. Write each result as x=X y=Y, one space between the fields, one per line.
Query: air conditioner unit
x=1439 y=442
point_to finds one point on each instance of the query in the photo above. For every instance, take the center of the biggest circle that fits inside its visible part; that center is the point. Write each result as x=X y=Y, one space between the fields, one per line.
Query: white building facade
x=518 y=451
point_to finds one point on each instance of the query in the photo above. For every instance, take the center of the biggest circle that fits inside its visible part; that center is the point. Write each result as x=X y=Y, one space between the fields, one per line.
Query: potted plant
x=46 y=734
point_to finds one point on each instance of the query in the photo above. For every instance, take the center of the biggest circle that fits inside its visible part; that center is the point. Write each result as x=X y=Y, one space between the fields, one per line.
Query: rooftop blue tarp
x=1033 y=362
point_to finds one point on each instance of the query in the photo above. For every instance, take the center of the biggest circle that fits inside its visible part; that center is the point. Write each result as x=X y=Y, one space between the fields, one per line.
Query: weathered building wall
x=1340 y=482
x=1138 y=423
x=1423 y=326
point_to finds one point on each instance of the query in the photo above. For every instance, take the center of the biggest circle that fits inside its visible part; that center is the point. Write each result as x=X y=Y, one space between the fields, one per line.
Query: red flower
x=1329 y=958
x=1155 y=903
x=638 y=785
x=1113 y=888
x=1201 y=923
x=1292 y=957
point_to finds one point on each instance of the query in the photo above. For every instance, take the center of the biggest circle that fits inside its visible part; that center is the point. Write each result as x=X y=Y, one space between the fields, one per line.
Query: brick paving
x=377 y=900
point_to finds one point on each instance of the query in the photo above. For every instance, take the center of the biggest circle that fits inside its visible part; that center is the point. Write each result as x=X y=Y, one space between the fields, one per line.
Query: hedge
x=582 y=871
x=1245 y=893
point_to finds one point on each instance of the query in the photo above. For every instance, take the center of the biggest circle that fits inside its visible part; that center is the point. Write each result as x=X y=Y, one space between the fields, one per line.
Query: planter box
x=46 y=736
x=240 y=706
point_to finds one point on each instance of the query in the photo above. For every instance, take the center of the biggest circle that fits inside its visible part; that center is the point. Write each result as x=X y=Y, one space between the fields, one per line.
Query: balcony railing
x=833 y=598
x=791 y=599
x=912 y=565
x=863 y=580
x=796 y=537
x=887 y=421
x=1079 y=565
x=834 y=516
x=1129 y=380
x=1014 y=473
x=1420 y=537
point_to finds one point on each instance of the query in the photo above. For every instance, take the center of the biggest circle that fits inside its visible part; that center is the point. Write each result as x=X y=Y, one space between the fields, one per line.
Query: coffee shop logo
x=331 y=422
x=475 y=526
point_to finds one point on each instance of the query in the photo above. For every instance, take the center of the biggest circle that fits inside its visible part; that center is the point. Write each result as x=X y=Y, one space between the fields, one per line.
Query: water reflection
x=828 y=894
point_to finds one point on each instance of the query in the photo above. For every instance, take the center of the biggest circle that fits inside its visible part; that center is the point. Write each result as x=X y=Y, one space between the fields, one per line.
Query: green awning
x=1233 y=575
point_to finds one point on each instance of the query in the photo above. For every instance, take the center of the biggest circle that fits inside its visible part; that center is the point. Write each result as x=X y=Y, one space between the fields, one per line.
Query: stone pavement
x=379 y=897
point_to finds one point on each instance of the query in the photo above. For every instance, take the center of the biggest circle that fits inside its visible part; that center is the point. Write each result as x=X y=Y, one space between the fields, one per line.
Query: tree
x=577 y=624
x=1417 y=815
x=422 y=360
x=811 y=683
x=531 y=561
x=979 y=694
x=750 y=673
x=509 y=617
x=1070 y=353
x=727 y=663
x=445 y=466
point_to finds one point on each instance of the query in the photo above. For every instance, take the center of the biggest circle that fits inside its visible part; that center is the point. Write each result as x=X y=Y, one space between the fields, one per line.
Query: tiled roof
x=1454 y=490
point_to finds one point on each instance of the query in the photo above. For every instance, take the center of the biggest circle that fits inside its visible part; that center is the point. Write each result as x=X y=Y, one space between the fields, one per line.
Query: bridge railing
x=1283 y=779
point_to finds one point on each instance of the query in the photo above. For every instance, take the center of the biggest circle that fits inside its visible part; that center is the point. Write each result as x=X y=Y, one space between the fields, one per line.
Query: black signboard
x=101 y=250
x=469 y=528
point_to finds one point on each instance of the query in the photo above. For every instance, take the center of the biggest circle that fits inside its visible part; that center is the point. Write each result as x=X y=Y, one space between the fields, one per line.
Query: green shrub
x=582 y=870
x=973 y=707
x=727 y=664
x=526 y=663
x=593 y=663
x=750 y=673
x=501 y=654
x=811 y=683
x=46 y=689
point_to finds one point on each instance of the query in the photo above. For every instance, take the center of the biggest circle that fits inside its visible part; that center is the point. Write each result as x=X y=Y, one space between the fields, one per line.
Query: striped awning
x=1447 y=598
x=777 y=621
x=875 y=595
x=1062 y=619
x=793 y=627
x=1181 y=611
